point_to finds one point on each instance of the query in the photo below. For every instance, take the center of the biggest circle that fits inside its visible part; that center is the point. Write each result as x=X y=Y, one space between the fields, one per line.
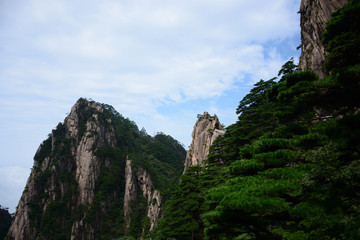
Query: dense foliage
x=289 y=168
x=5 y=221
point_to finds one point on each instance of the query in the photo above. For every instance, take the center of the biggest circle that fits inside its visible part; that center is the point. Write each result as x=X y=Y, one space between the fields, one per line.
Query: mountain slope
x=78 y=186
x=284 y=170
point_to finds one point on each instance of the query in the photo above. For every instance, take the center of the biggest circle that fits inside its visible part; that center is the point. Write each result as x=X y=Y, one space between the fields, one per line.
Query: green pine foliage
x=182 y=213
x=342 y=38
x=289 y=168
x=139 y=220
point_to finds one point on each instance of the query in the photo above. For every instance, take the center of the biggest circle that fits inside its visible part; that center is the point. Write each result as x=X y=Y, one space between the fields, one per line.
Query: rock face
x=82 y=184
x=207 y=128
x=314 y=15
x=47 y=169
x=138 y=180
x=130 y=193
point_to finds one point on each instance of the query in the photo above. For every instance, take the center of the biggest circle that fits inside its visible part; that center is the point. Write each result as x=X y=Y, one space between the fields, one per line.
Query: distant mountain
x=97 y=176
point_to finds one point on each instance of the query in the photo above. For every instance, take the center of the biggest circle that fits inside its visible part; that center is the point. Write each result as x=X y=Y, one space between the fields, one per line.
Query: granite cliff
x=207 y=128
x=138 y=180
x=83 y=184
x=314 y=15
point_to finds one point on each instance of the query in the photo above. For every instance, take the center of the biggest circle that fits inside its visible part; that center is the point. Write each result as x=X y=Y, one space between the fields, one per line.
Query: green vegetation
x=182 y=213
x=139 y=220
x=161 y=157
x=5 y=221
x=289 y=168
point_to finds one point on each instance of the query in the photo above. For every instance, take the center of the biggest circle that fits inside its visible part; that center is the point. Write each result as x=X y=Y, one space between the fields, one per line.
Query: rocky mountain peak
x=207 y=128
x=83 y=185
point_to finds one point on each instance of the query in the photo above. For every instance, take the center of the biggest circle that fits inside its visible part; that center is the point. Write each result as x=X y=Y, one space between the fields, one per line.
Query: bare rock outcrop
x=130 y=193
x=151 y=195
x=138 y=180
x=314 y=15
x=207 y=128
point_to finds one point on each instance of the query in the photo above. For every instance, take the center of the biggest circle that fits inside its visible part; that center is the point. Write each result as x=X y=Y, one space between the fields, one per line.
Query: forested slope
x=289 y=168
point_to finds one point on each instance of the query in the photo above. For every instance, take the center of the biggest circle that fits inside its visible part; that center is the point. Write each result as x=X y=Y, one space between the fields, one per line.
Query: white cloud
x=201 y=75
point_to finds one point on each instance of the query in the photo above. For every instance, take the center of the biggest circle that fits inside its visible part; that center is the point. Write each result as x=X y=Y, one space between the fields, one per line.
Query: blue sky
x=159 y=63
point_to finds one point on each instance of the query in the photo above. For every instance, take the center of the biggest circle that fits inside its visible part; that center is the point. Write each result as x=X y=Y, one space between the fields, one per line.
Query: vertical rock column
x=130 y=193
x=207 y=128
x=151 y=195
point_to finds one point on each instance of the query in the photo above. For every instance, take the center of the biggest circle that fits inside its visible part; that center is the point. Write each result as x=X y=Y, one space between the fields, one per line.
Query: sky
x=158 y=63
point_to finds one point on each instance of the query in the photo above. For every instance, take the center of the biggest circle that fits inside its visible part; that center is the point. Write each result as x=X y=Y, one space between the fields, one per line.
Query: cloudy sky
x=157 y=62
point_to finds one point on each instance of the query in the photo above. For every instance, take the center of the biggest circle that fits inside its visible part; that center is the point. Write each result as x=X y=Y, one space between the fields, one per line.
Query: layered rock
x=314 y=15
x=207 y=128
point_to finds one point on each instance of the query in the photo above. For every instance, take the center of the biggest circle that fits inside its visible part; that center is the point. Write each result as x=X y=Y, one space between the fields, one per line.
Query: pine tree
x=182 y=212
